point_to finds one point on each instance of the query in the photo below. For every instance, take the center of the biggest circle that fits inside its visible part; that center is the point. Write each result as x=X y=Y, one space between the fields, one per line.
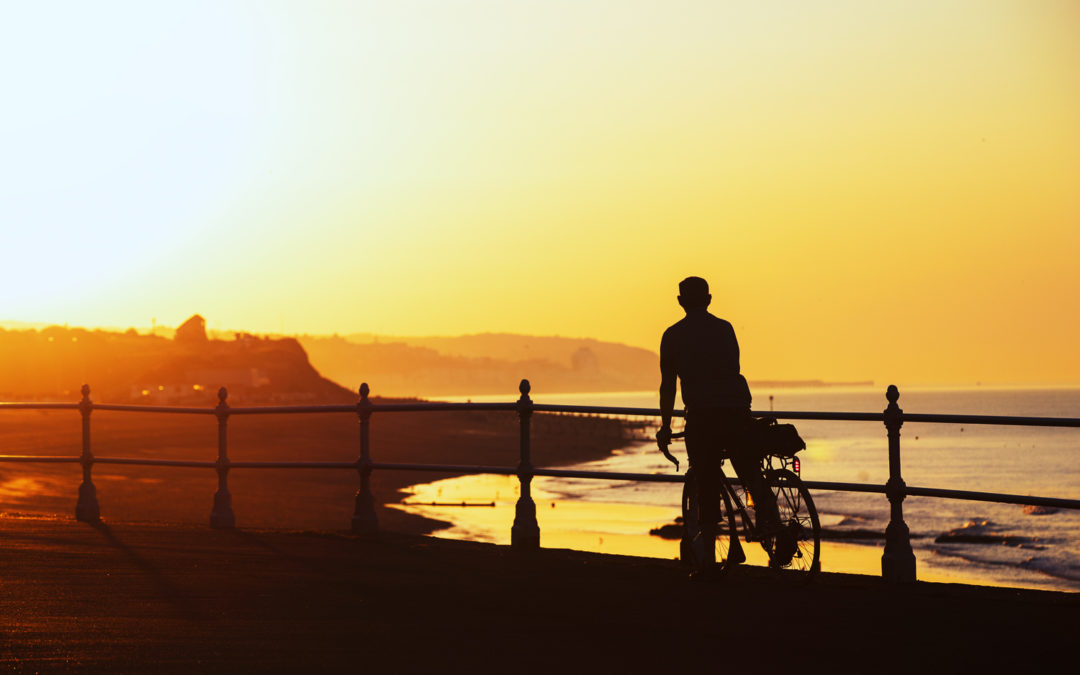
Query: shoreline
x=838 y=556
x=624 y=529
x=315 y=499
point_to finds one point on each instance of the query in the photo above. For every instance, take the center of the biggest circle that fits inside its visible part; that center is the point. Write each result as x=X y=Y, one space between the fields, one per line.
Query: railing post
x=87 y=510
x=898 y=560
x=364 y=519
x=222 y=515
x=525 y=533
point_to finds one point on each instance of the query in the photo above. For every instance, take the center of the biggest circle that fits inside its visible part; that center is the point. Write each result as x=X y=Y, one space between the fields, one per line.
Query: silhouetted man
x=702 y=352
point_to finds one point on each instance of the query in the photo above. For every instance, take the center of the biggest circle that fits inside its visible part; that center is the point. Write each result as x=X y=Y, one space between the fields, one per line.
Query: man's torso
x=704 y=353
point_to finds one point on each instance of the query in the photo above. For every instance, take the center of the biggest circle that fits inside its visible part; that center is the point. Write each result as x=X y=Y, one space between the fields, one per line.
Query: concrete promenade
x=123 y=597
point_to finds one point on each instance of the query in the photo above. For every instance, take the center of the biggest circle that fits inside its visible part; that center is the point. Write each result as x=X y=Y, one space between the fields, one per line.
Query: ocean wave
x=853 y=534
x=1032 y=510
x=850 y=519
x=986 y=532
x=1053 y=568
x=1045 y=565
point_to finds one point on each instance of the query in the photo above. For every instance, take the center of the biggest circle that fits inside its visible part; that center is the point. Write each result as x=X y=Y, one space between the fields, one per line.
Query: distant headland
x=179 y=365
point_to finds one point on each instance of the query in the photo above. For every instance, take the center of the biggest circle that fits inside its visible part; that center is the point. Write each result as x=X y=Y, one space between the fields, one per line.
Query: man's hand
x=671 y=457
x=663 y=440
x=663 y=437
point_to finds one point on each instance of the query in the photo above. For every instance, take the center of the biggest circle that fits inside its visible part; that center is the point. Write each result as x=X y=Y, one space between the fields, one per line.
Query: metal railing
x=898 y=559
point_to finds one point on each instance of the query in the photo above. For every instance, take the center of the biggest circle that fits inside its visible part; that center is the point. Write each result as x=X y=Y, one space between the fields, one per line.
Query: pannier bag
x=777 y=439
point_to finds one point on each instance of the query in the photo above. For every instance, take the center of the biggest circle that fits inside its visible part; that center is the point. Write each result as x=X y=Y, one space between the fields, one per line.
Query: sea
x=954 y=540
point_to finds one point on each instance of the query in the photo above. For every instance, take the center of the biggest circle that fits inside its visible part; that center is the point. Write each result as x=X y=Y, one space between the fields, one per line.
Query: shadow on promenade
x=174 y=597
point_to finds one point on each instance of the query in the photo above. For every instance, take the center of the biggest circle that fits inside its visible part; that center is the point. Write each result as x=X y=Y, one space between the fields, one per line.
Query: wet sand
x=138 y=597
x=624 y=529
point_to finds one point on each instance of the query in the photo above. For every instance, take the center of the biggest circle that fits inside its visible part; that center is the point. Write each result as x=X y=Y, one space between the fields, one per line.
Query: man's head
x=694 y=293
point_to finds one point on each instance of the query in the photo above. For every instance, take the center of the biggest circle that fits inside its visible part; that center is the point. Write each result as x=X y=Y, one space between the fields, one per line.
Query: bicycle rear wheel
x=703 y=547
x=799 y=516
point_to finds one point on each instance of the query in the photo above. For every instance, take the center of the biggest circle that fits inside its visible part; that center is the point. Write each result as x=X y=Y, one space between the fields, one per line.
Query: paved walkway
x=141 y=597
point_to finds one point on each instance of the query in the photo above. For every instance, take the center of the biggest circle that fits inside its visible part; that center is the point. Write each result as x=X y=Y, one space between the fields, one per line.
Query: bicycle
x=798 y=521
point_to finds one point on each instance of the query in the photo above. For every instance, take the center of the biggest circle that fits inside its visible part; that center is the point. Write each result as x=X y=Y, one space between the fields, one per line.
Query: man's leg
x=748 y=467
x=702 y=449
x=746 y=458
x=708 y=511
x=747 y=462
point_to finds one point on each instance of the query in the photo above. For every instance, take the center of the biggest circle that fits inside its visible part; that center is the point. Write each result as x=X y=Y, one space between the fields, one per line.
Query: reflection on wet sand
x=621 y=529
x=577 y=525
x=22 y=489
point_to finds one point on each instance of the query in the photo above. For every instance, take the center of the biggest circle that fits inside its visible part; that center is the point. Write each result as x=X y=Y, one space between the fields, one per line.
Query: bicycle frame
x=750 y=532
x=795 y=539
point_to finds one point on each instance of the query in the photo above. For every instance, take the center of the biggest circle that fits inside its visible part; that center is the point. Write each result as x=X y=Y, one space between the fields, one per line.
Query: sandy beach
x=323 y=499
x=308 y=498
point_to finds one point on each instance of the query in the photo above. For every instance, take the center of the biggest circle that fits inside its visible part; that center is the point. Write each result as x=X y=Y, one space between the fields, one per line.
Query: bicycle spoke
x=797 y=515
x=706 y=548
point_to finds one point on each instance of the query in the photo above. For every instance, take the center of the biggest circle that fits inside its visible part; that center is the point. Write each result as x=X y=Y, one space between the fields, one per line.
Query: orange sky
x=882 y=190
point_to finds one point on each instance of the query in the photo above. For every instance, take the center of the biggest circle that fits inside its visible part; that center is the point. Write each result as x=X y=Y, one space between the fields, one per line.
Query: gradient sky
x=875 y=190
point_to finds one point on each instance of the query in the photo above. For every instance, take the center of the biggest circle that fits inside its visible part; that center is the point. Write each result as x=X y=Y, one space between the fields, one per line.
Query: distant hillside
x=488 y=363
x=189 y=365
x=52 y=364
x=516 y=347
x=493 y=363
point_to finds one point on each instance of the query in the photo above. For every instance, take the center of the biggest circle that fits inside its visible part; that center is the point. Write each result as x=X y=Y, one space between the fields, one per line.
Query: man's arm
x=734 y=348
x=667 y=399
x=668 y=377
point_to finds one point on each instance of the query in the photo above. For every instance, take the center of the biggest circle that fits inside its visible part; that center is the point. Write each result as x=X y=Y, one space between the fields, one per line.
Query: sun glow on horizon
x=876 y=191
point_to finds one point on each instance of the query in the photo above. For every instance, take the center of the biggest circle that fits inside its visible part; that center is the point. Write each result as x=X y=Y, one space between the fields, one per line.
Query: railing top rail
x=434 y=406
x=291 y=409
x=1006 y=420
x=32 y=405
x=821 y=415
x=431 y=406
x=166 y=409
x=602 y=410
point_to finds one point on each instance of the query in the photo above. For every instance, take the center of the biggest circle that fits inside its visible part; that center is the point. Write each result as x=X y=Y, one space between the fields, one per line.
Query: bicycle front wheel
x=706 y=545
x=799 y=518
